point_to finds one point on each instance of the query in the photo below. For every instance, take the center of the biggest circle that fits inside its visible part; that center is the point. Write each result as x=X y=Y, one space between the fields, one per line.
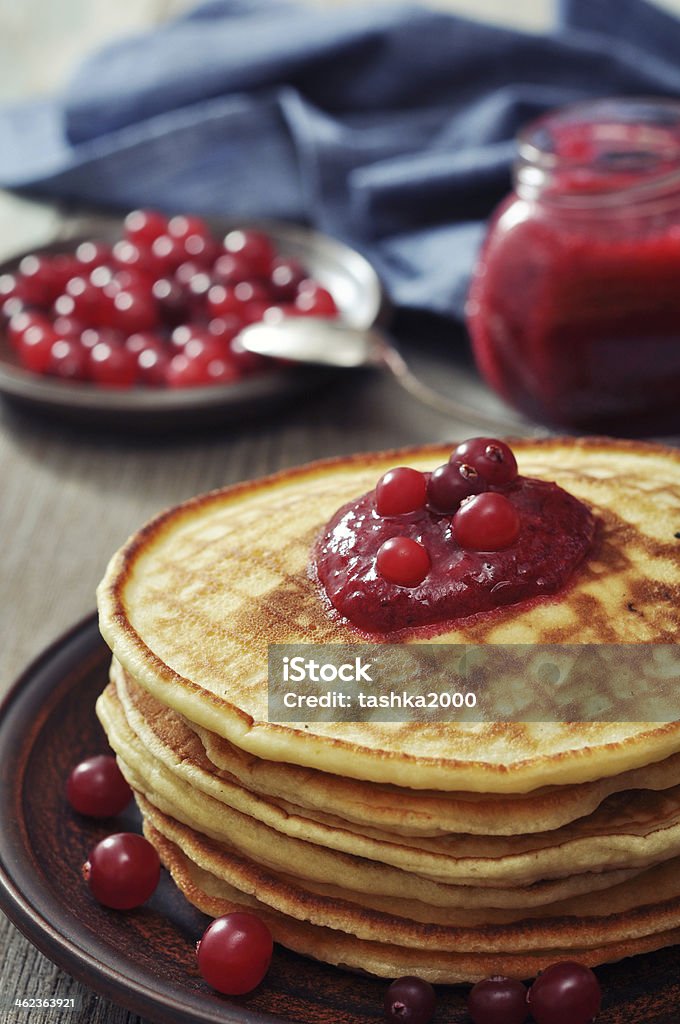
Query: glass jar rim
x=639 y=159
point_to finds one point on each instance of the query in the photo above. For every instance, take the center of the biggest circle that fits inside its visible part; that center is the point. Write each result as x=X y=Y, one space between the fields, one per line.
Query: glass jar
x=574 y=307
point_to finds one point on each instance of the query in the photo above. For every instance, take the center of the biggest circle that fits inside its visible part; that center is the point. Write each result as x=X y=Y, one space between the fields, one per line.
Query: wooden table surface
x=69 y=497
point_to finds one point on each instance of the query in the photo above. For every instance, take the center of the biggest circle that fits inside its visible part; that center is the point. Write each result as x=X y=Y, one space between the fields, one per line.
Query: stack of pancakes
x=451 y=850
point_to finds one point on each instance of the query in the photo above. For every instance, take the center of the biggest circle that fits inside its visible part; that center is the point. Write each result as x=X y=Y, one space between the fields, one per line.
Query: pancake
x=624 y=835
x=187 y=802
x=612 y=918
x=215 y=897
x=236 y=587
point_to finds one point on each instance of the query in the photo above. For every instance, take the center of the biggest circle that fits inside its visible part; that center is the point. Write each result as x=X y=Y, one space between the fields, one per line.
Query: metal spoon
x=329 y=343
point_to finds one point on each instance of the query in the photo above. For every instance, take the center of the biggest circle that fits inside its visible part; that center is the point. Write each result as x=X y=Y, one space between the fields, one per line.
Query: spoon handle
x=395 y=362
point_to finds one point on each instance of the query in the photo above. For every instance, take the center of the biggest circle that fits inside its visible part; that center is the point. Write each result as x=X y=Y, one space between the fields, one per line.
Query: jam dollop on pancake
x=556 y=532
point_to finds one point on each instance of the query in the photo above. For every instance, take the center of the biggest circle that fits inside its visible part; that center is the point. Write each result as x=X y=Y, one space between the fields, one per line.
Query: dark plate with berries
x=135 y=323
x=144 y=959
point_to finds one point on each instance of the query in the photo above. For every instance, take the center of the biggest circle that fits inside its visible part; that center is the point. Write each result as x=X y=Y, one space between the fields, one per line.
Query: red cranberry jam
x=473 y=535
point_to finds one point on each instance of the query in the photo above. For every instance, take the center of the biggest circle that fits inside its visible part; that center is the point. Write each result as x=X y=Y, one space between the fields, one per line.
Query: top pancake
x=192 y=601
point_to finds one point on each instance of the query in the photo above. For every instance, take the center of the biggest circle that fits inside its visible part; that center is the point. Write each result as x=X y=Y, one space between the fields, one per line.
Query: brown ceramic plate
x=144 y=959
x=347 y=275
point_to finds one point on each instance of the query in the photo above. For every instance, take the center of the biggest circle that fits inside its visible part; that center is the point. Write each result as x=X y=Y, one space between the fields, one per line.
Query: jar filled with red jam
x=574 y=308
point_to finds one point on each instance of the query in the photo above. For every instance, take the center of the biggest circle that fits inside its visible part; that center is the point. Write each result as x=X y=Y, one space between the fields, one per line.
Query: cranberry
x=129 y=255
x=452 y=483
x=182 y=334
x=246 y=292
x=170 y=299
x=221 y=370
x=21 y=322
x=152 y=366
x=565 y=993
x=87 y=298
x=226 y=327
x=200 y=248
x=35 y=347
x=144 y=226
x=96 y=787
x=144 y=340
x=68 y=360
x=133 y=311
x=494 y=460
x=93 y=254
x=498 y=1000
x=168 y=253
x=230 y=269
x=68 y=327
x=41 y=281
x=92 y=336
x=403 y=561
x=184 y=226
x=10 y=288
x=286 y=277
x=197 y=290
x=254 y=249
x=234 y=953
x=186 y=271
x=122 y=871
x=183 y=372
x=486 y=522
x=253 y=312
x=112 y=365
x=313 y=300
x=11 y=306
x=221 y=301
x=400 y=490
x=410 y=1000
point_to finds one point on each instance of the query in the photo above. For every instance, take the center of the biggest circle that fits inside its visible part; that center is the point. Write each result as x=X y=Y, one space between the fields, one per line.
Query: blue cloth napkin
x=389 y=126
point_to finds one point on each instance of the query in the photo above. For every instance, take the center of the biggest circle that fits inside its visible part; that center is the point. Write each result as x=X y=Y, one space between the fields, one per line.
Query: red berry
x=234 y=953
x=400 y=490
x=112 y=366
x=410 y=1000
x=68 y=360
x=186 y=271
x=152 y=366
x=254 y=249
x=21 y=322
x=96 y=787
x=494 y=460
x=144 y=340
x=92 y=336
x=486 y=522
x=313 y=300
x=133 y=311
x=221 y=301
x=565 y=993
x=168 y=253
x=498 y=1000
x=225 y=327
x=41 y=281
x=144 y=226
x=286 y=277
x=128 y=255
x=452 y=483
x=122 y=871
x=93 y=254
x=403 y=561
x=184 y=226
x=170 y=299
x=35 y=347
